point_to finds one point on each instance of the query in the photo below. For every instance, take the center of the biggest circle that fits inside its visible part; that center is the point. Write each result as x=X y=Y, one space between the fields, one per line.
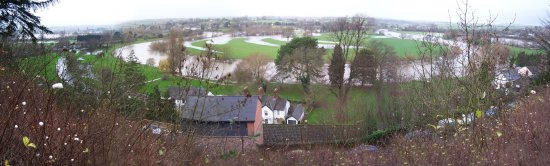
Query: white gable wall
x=267 y=114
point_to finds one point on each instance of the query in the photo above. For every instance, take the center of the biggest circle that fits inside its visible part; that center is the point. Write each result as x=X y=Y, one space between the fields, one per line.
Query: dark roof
x=87 y=37
x=275 y=103
x=296 y=111
x=182 y=93
x=220 y=108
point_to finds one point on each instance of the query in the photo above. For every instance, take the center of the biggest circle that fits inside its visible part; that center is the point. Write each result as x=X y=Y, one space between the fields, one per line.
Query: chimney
x=276 y=93
x=246 y=93
x=260 y=92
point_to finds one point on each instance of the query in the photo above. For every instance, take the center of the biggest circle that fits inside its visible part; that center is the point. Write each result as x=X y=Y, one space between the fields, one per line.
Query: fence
x=309 y=134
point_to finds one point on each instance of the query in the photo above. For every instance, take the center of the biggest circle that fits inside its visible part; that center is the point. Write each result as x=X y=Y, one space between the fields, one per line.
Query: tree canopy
x=287 y=49
x=337 y=67
x=16 y=16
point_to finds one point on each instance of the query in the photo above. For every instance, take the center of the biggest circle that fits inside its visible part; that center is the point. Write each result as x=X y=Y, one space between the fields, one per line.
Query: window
x=291 y=122
x=266 y=121
x=266 y=114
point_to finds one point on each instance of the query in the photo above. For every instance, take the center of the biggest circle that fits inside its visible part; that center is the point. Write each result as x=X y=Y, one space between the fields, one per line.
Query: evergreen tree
x=337 y=67
x=17 y=16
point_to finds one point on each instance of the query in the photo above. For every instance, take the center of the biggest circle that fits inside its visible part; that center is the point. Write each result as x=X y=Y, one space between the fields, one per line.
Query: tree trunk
x=342 y=105
x=380 y=99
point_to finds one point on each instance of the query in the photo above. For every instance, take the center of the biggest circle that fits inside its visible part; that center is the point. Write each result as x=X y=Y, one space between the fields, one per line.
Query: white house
x=296 y=114
x=276 y=110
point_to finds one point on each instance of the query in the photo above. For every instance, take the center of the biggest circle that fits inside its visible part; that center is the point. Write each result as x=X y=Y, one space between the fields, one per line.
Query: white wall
x=267 y=114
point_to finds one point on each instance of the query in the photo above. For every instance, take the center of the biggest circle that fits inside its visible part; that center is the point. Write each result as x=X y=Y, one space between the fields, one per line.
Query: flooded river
x=411 y=70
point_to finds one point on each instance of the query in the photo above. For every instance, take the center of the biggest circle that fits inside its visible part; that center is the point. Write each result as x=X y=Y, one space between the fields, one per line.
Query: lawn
x=239 y=48
x=517 y=50
x=403 y=47
x=43 y=65
x=359 y=102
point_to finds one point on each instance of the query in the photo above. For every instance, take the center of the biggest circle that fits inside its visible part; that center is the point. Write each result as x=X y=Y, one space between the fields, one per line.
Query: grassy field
x=324 y=37
x=239 y=48
x=403 y=47
x=517 y=50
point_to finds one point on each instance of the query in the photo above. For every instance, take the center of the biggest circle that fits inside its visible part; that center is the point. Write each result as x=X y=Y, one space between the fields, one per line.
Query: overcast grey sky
x=108 y=12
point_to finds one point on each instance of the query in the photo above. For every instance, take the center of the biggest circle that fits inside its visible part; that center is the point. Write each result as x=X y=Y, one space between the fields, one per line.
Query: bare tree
x=252 y=68
x=453 y=81
x=350 y=33
x=305 y=65
x=542 y=39
x=173 y=47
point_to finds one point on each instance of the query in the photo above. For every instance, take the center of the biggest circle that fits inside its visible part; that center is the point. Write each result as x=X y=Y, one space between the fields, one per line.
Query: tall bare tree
x=542 y=39
x=350 y=33
x=305 y=65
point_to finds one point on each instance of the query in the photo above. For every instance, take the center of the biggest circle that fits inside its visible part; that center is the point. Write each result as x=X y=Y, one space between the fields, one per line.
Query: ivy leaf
x=27 y=142
x=161 y=151
x=498 y=133
x=31 y=145
x=86 y=150
x=6 y=162
x=479 y=114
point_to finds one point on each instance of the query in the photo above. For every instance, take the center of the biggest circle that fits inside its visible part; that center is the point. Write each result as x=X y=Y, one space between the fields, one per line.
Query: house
x=276 y=110
x=234 y=115
x=296 y=114
x=220 y=115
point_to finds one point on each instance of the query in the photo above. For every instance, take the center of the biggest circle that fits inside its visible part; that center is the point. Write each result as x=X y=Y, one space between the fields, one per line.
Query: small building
x=88 y=38
x=233 y=115
x=220 y=115
x=296 y=114
x=276 y=110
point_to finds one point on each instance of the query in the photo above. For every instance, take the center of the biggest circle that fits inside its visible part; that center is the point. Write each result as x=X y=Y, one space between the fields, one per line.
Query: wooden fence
x=309 y=134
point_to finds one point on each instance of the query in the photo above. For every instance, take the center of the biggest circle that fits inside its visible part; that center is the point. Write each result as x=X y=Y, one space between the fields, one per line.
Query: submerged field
x=238 y=48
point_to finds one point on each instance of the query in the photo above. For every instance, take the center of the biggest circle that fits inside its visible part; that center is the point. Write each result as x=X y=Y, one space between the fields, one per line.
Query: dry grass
x=101 y=137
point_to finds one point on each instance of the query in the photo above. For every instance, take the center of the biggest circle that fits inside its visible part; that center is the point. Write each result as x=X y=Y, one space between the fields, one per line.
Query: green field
x=517 y=50
x=239 y=48
x=403 y=47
